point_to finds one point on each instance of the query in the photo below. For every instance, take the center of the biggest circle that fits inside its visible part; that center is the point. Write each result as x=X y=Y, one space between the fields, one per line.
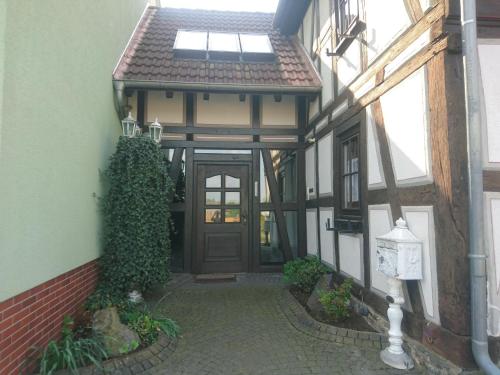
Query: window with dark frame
x=346 y=16
x=350 y=192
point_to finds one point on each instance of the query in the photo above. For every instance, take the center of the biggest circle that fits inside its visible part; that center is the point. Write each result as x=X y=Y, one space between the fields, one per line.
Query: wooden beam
x=275 y=198
x=399 y=45
x=232 y=145
x=188 y=215
x=491 y=181
x=226 y=130
x=414 y=10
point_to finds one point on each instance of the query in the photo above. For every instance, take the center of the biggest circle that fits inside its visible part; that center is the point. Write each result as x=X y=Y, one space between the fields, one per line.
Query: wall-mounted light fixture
x=277 y=98
x=206 y=96
x=129 y=126
x=155 y=131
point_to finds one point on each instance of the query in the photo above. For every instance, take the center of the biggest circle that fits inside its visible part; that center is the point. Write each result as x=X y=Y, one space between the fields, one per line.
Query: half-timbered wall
x=396 y=85
x=489 y=55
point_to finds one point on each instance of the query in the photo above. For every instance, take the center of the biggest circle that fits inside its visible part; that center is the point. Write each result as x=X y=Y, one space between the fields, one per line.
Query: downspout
x=120 y=102
x=477 y=250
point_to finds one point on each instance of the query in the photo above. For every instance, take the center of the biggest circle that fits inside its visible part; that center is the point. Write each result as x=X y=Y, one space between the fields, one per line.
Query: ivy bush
x=304 y=273
x=136 y=217
x=337 y=302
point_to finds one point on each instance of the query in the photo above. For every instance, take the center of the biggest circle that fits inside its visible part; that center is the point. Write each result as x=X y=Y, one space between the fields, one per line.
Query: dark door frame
x=226 y=159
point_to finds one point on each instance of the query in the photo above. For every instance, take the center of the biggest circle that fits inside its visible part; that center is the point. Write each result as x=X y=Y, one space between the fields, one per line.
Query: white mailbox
x=399 y=253
x=399 y=257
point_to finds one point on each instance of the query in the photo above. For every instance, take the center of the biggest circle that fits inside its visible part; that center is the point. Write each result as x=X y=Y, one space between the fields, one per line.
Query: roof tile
x=149 y=55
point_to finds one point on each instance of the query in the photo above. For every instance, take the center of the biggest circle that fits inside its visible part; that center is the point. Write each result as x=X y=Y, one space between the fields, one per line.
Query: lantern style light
x=155 y=131
x=129 y=126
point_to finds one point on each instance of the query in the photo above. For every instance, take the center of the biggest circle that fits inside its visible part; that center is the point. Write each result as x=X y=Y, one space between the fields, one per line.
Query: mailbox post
x=399 y=257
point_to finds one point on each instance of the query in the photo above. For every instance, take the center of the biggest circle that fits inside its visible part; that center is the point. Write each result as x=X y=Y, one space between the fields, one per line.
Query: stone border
x=303 y=322
x=134 y=363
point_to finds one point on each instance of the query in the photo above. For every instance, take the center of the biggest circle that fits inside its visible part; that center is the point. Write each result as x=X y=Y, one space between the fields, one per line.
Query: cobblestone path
x=239 y=328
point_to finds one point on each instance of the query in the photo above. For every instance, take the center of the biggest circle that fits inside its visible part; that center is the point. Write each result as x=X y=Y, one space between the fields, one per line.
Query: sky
x=237 y=5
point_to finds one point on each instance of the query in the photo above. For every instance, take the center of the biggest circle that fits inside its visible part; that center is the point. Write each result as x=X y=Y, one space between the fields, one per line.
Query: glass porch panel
x=285 y=171
x=177 y=240
x=270 y=248
x=291 y=228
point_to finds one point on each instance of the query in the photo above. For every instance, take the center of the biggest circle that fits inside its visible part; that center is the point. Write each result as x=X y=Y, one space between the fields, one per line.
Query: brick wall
x=31 y=319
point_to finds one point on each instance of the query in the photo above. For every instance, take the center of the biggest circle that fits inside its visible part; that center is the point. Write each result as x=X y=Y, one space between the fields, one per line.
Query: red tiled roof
x=150 y=57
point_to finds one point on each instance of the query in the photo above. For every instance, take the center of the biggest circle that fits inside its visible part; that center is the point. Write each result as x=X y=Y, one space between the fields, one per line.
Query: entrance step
x=215 y=278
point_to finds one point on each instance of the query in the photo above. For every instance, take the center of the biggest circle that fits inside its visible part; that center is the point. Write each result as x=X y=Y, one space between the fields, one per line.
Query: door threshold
x=215 y=277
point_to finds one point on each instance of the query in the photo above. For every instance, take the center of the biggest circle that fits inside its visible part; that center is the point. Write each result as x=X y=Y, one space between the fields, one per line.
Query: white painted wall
x=313 y=108
x=326 y=73
x=405 y=112
x=327 y=237
x=165 y=109
x=307 y=25
x=282 y=114
x=489 y=56
x=222 y=109
x=351 y=255
x=492 y=235
x=425 y=4
x=376 y=179
x=312 y=231
x=384 y=24
x=310 y=172
x=349 y=65
x=380 y=222
x=420 y=220
x=324 y=17
x=325 y=161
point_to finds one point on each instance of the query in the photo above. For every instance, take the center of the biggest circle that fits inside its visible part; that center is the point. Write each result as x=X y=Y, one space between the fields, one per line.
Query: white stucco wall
x=167 y=110
x=279 y=114
x=384 y=24
x=222 y=109
x=405 y=110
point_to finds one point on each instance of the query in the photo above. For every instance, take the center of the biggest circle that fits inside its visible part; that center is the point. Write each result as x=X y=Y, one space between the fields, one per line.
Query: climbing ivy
x=136 y=217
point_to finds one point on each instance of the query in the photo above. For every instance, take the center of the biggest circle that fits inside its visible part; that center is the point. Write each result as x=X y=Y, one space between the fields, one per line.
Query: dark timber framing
x=188 y=146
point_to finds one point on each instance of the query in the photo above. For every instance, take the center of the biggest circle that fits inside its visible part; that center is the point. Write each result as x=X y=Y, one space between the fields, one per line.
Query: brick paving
x=249 y=327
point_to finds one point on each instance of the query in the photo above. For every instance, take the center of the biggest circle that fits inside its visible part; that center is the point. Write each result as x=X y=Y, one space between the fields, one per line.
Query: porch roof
x=149 y=59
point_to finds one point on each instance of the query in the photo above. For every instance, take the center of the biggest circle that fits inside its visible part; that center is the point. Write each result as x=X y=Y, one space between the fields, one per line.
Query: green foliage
x=147 y=326
x=136 y=217
x=127 y=348
x=71 y=353
x=304 y=273
x=336 y=302
x=103 y=298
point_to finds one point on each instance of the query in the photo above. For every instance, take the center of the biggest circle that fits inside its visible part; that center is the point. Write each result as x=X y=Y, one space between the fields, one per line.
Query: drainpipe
x=120 y=102
x=477 y=251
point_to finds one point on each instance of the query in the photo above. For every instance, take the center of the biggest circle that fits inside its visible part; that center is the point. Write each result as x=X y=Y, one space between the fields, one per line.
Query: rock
x=117 y=337
x=322 y=285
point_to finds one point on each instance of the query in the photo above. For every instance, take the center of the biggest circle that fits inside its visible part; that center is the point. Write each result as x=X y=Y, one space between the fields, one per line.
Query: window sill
x=344 y=42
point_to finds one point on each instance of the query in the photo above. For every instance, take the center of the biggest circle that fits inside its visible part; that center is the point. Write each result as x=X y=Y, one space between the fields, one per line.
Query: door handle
x=244 y=218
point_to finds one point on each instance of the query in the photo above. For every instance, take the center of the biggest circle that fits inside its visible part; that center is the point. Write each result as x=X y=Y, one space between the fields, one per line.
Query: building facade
x=388 y=140
x=354 y=117
x=58 y=127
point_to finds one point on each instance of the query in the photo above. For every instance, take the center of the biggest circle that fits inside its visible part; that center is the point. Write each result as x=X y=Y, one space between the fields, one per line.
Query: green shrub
x=304 y=273
x=136 y=217
x=336 y=302
x=71 y=353
x=147 y=326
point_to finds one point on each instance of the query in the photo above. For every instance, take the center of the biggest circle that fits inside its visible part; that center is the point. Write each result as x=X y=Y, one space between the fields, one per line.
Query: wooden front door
x=222 y=217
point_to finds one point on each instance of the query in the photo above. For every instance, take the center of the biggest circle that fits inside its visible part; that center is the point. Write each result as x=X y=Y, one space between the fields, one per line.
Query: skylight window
x=255 y=43
x=223 y=46
x=223 y=42
x=191 y=42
